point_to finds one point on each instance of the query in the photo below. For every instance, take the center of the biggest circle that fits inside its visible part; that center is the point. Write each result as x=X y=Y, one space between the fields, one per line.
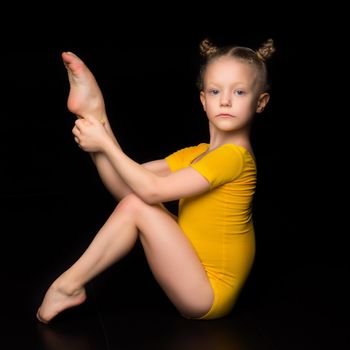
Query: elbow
x=150 y=194
x=150 y=197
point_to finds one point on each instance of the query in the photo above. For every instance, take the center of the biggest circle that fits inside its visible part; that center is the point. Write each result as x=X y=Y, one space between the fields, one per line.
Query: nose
x=225 y=101
x=225 y=104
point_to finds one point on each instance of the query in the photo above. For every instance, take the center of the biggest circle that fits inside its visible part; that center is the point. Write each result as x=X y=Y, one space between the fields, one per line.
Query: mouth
x=225 y=115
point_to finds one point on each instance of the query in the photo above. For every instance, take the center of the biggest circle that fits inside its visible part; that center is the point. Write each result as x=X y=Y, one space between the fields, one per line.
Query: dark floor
x=281 y=307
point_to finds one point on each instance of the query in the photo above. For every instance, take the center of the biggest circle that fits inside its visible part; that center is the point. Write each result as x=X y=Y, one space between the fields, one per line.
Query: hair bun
x=266 y=50
x=206 y=48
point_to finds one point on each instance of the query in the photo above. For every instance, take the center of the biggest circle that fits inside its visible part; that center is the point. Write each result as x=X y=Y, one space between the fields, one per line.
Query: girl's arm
x=114 y=183
x=149 y=186
x=110 y=177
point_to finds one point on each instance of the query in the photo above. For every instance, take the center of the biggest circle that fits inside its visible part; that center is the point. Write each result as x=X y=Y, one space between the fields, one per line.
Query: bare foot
x=56 y=300
x=85 y=97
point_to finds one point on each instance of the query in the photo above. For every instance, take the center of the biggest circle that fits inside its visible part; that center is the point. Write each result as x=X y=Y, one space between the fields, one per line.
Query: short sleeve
x=221 y=165
x=181 y=158
x=176 y=159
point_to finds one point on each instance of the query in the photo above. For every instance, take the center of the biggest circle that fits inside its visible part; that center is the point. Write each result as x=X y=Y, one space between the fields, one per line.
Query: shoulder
x=184 y=156
x=201 y=147
x=237 y=152
x=221 y=165
x=225 y=154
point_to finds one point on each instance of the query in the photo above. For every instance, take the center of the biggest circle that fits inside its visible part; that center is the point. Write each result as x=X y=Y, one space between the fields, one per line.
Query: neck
x=219 y=138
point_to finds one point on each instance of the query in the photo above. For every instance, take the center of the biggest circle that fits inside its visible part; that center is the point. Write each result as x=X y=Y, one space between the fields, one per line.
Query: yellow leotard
x=219 y=222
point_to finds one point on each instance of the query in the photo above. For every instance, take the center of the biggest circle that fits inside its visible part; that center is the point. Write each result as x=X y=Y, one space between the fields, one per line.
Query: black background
x=53 y=201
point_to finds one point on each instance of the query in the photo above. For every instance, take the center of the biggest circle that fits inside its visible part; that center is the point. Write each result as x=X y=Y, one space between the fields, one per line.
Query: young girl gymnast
x=201 y=258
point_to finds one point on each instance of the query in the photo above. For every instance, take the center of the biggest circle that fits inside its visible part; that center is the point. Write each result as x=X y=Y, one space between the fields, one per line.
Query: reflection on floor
x=281 y=307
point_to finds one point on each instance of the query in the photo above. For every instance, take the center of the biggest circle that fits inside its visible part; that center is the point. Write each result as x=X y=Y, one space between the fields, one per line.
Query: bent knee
x=131 y=203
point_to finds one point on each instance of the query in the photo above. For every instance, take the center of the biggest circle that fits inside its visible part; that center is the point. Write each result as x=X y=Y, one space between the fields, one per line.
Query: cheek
x=253 y=104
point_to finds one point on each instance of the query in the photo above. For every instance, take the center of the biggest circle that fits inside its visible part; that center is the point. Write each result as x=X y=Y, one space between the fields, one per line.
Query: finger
x=79 y=123
x=76 y=131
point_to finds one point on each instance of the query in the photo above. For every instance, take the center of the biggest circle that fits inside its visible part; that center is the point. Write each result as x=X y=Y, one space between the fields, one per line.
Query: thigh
x=172 y=259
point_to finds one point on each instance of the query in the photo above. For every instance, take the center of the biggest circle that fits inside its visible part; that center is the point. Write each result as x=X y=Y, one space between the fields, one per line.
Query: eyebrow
x=234 y=84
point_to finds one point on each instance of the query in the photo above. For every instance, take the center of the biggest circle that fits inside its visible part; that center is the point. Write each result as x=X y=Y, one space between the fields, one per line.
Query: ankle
x=67 y=288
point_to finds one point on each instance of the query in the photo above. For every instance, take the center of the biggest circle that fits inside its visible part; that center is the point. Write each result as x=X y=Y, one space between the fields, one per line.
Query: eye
x=213 y=91
x=239 y=92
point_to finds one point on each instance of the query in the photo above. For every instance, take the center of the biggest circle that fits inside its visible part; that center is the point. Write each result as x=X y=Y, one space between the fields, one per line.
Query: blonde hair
x=258 y=58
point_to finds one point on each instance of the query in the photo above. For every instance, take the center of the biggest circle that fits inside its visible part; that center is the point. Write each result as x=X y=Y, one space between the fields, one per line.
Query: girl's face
x=231 y=94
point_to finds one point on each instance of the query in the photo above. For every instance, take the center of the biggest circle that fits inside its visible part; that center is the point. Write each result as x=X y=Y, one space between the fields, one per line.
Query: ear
x=202 y=98
x=262 y=102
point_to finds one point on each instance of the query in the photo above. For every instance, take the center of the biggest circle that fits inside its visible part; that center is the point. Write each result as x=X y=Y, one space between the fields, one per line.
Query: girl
x=202 y=258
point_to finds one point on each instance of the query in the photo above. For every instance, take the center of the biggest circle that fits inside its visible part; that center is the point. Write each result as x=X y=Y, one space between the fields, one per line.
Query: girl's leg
x=169 y=253
x=86 y=99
